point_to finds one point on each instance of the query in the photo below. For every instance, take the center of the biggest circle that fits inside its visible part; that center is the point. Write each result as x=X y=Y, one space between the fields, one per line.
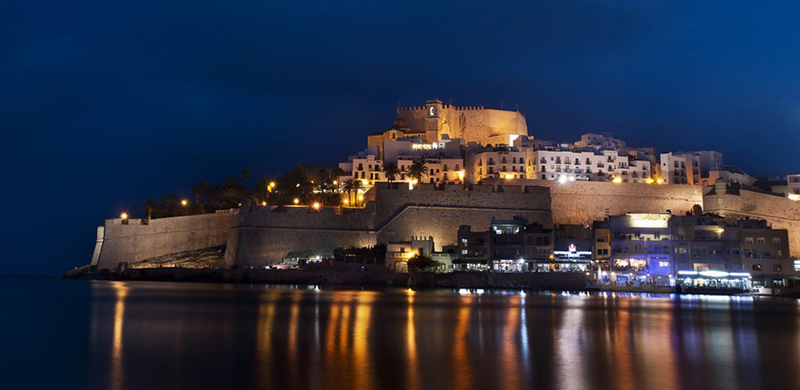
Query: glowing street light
x=360 y=197
x=271 y=184
x=365 y=182
x=123 y=216
x=460 y=175
x=316 y=205
x=650 y=181
x=509 y=176
x=336 y=182
x=617 y=180
x=346 y=202
x=263 y=203
x=184 y=202
x=659 y=181
x=296 y=201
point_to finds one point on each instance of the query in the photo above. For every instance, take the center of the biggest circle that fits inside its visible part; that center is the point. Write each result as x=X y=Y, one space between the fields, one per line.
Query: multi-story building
x=689 y=167
x=518 y=246
x=692 y=250
x=588 y=165
x=505 y=162
x=365 y=166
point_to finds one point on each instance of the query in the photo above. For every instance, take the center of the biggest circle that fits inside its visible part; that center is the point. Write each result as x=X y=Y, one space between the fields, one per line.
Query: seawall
x=264 y=236
x=128 y=241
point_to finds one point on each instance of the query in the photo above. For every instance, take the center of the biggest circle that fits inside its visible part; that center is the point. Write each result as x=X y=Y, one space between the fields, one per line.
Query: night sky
x=105 y=104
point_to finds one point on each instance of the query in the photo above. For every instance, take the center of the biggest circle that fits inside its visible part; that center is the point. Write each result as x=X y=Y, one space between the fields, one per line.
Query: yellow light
x=263 y=203
x=184 y=202
x=296 y=201
x=720 y=230
x=346 y=201
x=312 y=181
x=360 y=197
x=336 y=182
x=461 y=175
x=794 y=196
x=272 y=184
x=297 y=185
x=124 y=215
x=617 y=180
x=365 y=182
x=509 y=176
x=315 y=205
x=415 y=181
x=659 y=181
x=650 y=181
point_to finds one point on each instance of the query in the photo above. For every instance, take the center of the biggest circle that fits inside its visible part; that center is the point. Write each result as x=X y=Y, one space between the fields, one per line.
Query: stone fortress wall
x=257 y=236
x=778 y=211
x=393 y=213
x=473 y=124
x=584 y=202
x=129 y=241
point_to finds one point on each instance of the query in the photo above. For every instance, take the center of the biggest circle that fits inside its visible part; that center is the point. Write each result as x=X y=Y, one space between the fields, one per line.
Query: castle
x=484 y=166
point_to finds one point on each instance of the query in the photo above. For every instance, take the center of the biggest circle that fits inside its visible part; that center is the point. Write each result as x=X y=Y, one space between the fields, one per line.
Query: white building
x=793 y=185
x=588 y=165
x=365 y=166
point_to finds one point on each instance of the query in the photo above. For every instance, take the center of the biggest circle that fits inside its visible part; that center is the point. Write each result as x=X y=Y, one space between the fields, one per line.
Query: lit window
x=756 y=267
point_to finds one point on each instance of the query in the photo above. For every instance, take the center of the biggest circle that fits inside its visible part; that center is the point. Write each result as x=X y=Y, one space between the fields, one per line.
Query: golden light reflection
x=621 y=347
x=511 y=357
x=117 y=370
x=411 y=343
x=462 y=375
x=266 y=321
x=293 y=323
x=363 y=317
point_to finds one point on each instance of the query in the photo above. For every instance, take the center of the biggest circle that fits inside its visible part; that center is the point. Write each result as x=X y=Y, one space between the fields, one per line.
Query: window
x=776 y=240
x=756 y=267
x=777 y=267
x=761 y=240
x=748 y=240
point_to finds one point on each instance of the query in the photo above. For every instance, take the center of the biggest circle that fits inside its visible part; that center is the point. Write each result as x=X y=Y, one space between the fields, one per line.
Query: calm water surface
x=139 y=335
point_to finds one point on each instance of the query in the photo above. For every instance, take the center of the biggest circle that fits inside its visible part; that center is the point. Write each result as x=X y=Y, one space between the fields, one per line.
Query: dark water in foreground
x=140 y=335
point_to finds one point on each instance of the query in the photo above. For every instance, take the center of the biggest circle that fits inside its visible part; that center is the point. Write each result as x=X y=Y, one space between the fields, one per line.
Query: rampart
x=257 y=235
x=780 y=212
x=264 y=236
x=578 y=202
x=132 y=240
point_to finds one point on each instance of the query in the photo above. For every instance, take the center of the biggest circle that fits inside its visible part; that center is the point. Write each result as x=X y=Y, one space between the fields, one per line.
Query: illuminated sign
x=424 y=146
x=649 y=220
x=573 y=252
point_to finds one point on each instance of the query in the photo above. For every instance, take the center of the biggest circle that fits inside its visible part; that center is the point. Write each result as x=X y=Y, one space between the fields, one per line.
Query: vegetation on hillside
x=305 y=183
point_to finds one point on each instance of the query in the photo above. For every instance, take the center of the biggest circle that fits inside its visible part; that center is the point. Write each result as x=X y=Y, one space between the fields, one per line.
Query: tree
x=391 y=171
x=417 y=170
x=352 y=185
x=245 y=176
x=149 y=206
x=199 y=190
x=420 y=263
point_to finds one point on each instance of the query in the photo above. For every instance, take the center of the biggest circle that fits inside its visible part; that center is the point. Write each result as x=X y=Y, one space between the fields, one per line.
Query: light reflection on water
x=162 y=335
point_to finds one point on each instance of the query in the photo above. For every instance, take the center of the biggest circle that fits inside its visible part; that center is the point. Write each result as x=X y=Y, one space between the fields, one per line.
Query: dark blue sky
x=105 y=104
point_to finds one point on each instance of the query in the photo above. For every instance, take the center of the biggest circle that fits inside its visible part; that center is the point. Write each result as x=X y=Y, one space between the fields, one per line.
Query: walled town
x=466 y=190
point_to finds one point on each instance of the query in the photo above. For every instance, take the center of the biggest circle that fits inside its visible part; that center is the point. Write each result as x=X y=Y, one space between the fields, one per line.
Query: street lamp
x=123 y=216
x=296 y=201
x=316 y=205
x=184 y=202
